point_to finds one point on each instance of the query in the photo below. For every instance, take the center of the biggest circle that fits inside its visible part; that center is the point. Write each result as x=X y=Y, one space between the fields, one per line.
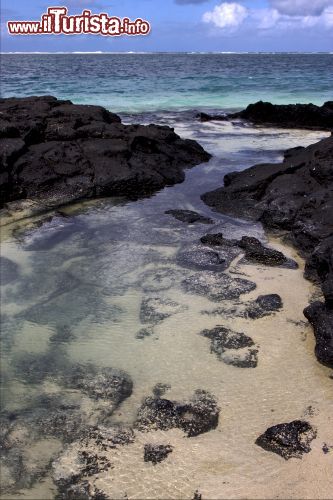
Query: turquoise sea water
x=146 y=82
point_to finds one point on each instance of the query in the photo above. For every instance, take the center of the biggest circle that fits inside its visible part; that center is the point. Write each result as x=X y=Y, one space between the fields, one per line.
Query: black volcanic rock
x=55 y=151
x=294 y=196
x=307 y=116
x=289 y=440
x=156 y=453
x=198 y=415
x=321 y=318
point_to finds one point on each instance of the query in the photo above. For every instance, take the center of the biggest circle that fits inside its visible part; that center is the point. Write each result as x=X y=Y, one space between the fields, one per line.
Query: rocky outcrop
x=307 y=116
x=289 y=440
x=294 y=196
x=57 y=152
x=189 y=216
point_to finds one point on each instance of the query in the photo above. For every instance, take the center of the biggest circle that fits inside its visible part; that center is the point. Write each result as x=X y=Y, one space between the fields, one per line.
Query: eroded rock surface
x=217 y=286
x=198 y=415
x=56 y=151
x=154 y=309
x=262 y=306
x=289 y=440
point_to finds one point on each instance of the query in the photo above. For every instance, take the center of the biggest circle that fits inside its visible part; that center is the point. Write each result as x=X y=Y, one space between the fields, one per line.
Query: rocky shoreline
x=54 y=152
x=302 y=116
x=295 y=197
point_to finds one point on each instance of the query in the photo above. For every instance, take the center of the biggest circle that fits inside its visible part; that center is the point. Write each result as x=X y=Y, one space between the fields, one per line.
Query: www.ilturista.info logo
x=57 y=22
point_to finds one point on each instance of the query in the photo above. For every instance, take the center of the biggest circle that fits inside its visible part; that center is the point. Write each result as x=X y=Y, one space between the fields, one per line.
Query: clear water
x=137 y=82
x=86 y=276
x=82 y=278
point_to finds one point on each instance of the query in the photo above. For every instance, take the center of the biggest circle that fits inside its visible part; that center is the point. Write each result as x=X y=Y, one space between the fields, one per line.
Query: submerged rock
x=77 y=467
x=189 y=216
x=233 y=348
x=217 y=286
x=255 y=251
x=156 y=280
x=57 y=152
x=154 y=310
x=197 y=257
x=156 y=453
x=104 y=383
x=197 y=416
x=8 y=271
x=289 y=440
x=262 y=306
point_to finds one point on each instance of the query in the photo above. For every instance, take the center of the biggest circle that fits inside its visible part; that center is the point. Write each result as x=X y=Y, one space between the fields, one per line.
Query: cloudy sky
x=187 y=25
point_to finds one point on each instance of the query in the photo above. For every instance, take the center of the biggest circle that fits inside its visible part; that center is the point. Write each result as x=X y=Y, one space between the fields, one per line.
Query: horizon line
x=99 y=52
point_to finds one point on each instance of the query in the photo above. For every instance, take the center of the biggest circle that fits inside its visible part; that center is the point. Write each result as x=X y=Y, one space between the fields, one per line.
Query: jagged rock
x=154 y=310
x=189 y=216
x=289 y=440
x=156 y=453
x=256 y=252
x=55 y=151
x=217 y=286
x=199 y=415
x=233 y=348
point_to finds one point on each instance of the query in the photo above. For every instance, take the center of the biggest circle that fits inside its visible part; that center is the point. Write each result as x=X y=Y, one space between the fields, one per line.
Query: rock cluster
x=294 y=196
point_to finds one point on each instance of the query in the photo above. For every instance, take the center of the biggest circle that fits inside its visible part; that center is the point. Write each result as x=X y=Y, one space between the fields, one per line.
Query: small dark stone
x=189 y=216
x=326 y=449
x=264 y=305
x=197 y=495
x=256 y=252
x=144 y=332
x=160 y=389
x=289 y=440
x=156 y=453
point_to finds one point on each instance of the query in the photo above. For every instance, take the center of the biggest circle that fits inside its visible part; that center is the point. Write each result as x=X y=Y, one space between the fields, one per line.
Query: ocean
x=85 y=272
x=148 y=82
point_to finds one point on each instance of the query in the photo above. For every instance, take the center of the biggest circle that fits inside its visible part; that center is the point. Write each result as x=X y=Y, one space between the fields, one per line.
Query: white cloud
x=226 y=15
x=231 y=16
x=302 y=8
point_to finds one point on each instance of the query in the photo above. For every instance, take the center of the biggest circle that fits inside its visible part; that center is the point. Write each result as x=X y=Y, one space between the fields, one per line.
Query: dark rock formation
x=321 y=318
x=264 y=305
x=255 y=251
x=306 y=116
x=197 y=416
x=288 y=440
x=217 y=286
x=156 y=453
x=233 y=348
x=189 y=216
x=297 y=196
x=56 y=151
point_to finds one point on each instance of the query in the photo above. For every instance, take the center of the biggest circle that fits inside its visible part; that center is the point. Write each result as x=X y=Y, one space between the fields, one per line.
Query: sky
x=186 y=25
